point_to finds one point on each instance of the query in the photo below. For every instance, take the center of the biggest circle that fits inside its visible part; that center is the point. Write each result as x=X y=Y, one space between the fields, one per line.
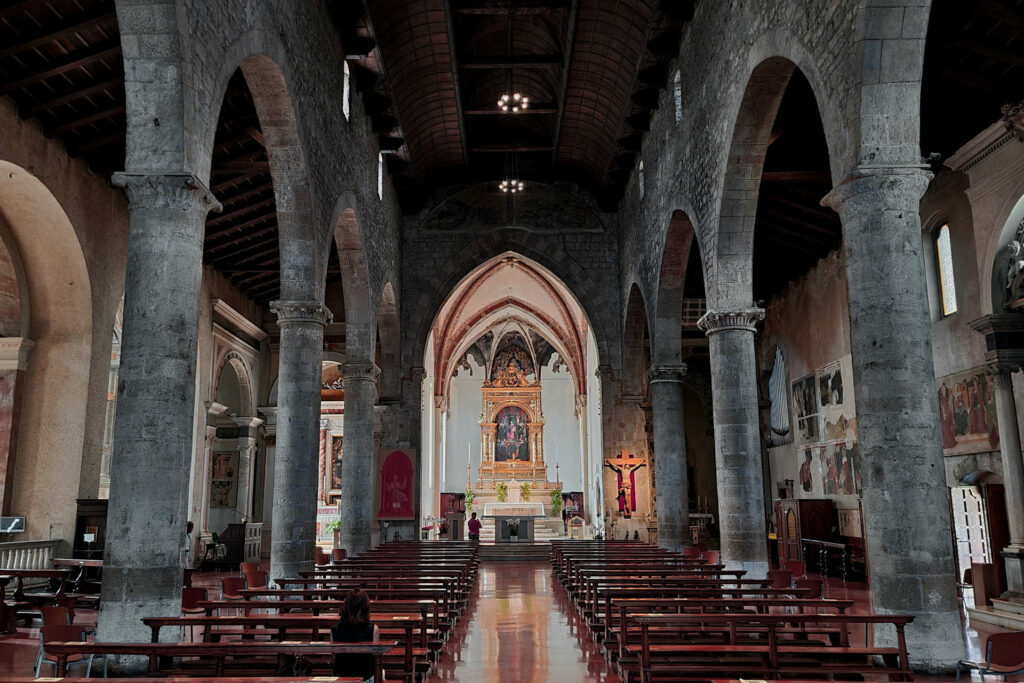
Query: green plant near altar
x=502 y=488
x=524 y=490
x=470 y=497
x=556 y=502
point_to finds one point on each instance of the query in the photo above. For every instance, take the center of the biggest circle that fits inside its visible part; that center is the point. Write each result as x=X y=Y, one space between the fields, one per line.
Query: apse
x=507 y=399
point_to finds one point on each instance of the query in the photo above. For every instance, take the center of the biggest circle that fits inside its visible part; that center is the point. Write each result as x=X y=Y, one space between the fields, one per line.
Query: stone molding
x=290 y=312
x=223 y=309
x=869 y=188
x=745 y=319
x=359 y=372
x=667 y=373
x=605 y=373
x=1002 y=374
x=182 y=191
x=14 y=352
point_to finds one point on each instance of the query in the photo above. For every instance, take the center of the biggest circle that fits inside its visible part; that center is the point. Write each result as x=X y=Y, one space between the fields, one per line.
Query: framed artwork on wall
x=223 y=479
x=332 y=485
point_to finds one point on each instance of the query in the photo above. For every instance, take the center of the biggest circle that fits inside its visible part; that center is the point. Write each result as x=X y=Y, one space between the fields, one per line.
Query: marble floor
x=518 y=628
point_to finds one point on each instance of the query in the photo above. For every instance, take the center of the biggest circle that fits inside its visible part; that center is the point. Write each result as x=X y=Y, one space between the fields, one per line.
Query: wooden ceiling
x=974 y=64
x=593 y=70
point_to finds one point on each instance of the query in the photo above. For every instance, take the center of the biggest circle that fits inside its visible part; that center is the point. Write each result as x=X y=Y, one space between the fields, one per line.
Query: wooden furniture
x=91 y=519
x=800 y=518
x=241 y=544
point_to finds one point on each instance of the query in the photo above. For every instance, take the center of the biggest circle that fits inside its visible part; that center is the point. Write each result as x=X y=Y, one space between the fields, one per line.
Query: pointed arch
x=635 y=328
x=666 y=339
x=389 y=335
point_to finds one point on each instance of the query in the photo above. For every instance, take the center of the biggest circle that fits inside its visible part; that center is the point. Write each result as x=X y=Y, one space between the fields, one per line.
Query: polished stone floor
x=518 y=628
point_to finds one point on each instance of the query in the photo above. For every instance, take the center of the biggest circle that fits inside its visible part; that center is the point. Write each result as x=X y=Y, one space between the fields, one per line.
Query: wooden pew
x=218 y=652
x=749 y=650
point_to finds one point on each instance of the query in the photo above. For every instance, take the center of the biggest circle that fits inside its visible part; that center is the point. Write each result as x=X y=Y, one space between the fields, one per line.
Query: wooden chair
x=813 y=587
x=780 y=578
x=52 y=616
x=710 y=556
x=797 y=568
x=1004 y=656
x=322 y=558
x=230 y=587
x=691 y=551
x=190 y=598
x=63 y=633
x=246 y=567
x=338 y=555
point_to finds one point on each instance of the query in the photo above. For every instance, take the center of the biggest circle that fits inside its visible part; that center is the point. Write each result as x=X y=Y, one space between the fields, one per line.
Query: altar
x=513 y=521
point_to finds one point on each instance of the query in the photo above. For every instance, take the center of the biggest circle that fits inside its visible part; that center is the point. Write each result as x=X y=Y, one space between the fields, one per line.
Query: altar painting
x=512 y=441
x=397 y=478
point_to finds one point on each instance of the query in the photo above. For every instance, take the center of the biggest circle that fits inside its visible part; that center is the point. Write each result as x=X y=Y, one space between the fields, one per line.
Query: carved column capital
x=667 y=373
x=1002 y=374
x=358 y=372
x=182 y=191
x=745 y=319
x=871 y=186
x=311 y=311
x=418 y=374
x=604 y=373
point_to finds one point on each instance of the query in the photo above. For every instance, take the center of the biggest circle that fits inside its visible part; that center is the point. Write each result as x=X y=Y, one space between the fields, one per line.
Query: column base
x=1013 y=560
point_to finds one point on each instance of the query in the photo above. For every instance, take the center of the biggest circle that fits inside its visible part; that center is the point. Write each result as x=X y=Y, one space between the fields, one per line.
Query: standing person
x=186 y=561
x=355 y=627
x=474 y=528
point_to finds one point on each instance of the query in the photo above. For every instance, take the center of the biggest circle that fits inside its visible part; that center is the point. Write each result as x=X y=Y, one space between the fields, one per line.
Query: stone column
x=150 y=463
x=906 y=501
x=741 y=511
x=296 y=462
x=670 y=446
x=1013 y=477
x=357 y=472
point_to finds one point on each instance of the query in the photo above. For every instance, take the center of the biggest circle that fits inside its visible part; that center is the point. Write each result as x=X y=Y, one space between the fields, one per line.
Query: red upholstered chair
x=321 y=557
x=247 y=567
x=710 y=556
x=797 y=568
x=338 y=554
x=190 y=598
x=256 y=579
x=691 y=551
x=1004 y=656
x=63 y=633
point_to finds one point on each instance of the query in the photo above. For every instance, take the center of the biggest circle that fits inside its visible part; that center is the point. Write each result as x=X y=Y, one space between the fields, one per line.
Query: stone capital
x=667 y=373
x=358 y=372
x=14 y=352
x=182 y=191
x=605 y=373
x=1002 y=374
x=871 y=188
x=744 y=319
x=417 y=374
x=311 y=311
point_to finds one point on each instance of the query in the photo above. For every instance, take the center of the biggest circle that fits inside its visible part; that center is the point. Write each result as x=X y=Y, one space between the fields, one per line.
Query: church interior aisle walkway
x=521 y=629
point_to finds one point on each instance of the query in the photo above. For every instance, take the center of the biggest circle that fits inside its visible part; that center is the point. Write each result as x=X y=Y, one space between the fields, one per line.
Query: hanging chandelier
x=514 y=103
x=511 y=185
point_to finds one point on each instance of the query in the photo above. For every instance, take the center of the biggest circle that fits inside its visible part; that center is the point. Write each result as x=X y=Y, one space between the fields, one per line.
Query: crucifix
x=626 y=464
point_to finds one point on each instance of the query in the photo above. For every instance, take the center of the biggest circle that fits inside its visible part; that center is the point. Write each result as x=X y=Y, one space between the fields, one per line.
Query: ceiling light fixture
x=515 y=103
x=511 y=185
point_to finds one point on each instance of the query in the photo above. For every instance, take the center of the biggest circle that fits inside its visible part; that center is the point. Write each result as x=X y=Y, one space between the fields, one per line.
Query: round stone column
x=296 y=459
x=357 y=476
x=741 y=511
x=906 y=501
x=670 y=454
x=152 y=450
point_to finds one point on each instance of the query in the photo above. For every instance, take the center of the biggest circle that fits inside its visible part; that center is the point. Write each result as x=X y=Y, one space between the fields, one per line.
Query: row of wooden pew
x=417 y=590
x=664 y=616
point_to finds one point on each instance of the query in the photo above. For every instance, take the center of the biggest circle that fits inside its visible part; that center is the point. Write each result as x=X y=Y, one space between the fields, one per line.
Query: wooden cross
x=625 y=463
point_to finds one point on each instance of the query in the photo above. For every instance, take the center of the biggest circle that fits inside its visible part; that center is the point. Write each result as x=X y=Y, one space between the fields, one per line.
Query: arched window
x=944 y=258
x=346 y=92
x=677 y=95
x=380 y=175
x=640 y=178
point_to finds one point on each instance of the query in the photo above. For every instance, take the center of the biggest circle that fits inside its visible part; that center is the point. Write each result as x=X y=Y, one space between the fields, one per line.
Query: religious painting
x=841 y=469
x=967 y=413
x=512 y=441
x=807 y=471
x=223 y=469
x=830 y=385
x=334 y=469
x=805 y=400
x=452 y=503
x=397 y=479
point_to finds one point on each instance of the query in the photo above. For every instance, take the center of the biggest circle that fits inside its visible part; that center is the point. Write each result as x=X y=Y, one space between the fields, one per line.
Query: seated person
x=355 y=627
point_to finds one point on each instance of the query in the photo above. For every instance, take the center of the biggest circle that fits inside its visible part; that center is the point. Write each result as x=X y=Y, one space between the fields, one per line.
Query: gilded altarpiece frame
x=506 y=401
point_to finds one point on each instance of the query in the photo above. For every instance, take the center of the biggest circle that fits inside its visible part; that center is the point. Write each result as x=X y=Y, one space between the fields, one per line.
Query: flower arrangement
x=470 y=497
x=502 y=488
x=524 y=490
x=556 y=502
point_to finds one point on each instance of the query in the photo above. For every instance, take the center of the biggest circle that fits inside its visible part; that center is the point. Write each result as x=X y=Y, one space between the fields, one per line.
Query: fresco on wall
x=967 y=412
x=840 y=465
x=805 y=400
x=512 y=441
x=397 y=478
x=810 y=473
